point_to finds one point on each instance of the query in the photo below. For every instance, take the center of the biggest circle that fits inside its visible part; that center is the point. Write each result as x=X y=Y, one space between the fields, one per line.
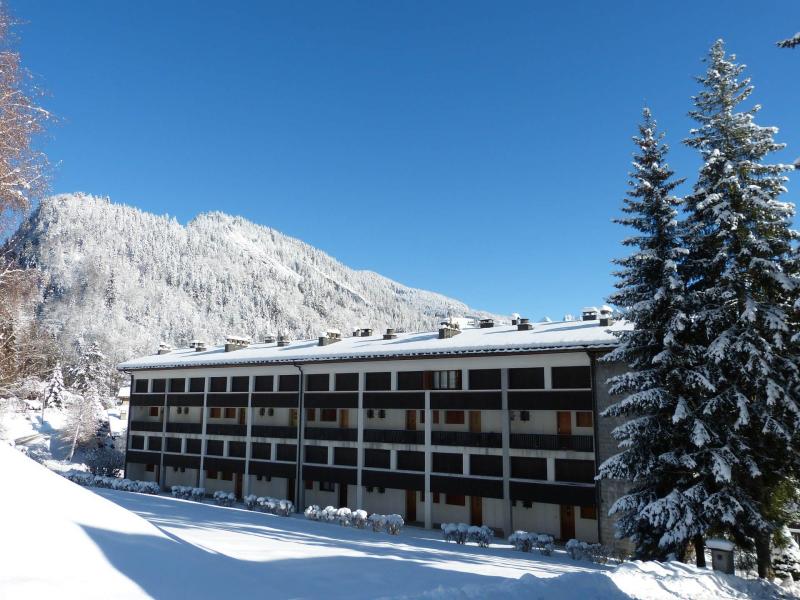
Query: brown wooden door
x=237 y=485
x=242 y=416
x=475 y=421
x=344 y=423
x=475 y=510
x=567 y=522
x=342 y=494
x=411 y=505
x=411 y=420
x=564 y=423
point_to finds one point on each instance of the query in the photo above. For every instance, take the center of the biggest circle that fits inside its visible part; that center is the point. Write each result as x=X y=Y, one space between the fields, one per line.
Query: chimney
x=390 y=334
x=486 y=323
x=283 y=340
x=589 y=313
x=448 y=329
x=236 y=342
x=606 y=316
x=331 y=337
x=164 y=348
x=200 y=346
x=524 y=324
x=269 y=339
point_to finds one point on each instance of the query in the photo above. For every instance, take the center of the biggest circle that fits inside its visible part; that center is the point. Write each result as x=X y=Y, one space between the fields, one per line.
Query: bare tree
x=84 y=416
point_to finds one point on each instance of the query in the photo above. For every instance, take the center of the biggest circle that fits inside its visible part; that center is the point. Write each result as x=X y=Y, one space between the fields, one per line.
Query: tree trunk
x=763 y=555
x=699 y=550
x=75 y=440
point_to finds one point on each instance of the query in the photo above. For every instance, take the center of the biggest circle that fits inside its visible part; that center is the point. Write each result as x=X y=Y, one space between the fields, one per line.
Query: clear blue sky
x=479 y=149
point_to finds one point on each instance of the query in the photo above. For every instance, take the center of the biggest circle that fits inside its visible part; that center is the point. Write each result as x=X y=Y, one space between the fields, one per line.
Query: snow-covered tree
x=84 y=416
x=790 y=42
x=89 y=376
x=786 y=556
x=658 y=512
x=741 y=285
x=54 y=391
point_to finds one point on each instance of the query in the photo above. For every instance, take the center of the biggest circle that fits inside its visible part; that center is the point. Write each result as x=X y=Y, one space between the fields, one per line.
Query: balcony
x=466 y=438
x=331 y=433
x=274 y=431
x=225 y=429
x=185 y=427
x=394 y=436
x=539 y=441
x=146 y=425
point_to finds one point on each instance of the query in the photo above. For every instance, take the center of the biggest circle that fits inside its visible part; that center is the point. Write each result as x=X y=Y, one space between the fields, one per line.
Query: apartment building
x=493 y=424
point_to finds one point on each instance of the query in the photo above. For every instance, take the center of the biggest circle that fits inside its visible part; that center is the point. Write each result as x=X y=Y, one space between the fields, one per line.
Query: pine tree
x=54 y=392
x=657 y=512
x=741 y=285
x=84 y=416
x=89 y=375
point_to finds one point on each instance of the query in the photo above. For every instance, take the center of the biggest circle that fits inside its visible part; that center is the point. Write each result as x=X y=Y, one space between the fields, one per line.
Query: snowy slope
x=132 y=279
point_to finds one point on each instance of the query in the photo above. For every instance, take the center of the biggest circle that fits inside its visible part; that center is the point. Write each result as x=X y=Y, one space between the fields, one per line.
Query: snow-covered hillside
x=131 y=279
x=63 y=541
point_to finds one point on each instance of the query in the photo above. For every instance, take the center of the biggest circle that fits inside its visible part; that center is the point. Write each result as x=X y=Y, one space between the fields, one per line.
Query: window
x=214 y=447
x=263 y=383
x=150 y=468
x=447 y=462
x=346 y=382
x=177 y=385
x=140 y=386
x=436 y=417
x=327 y=414
x=309 y=484
x=173 y=445
x=230 y=412
x=240 y=384
x=317 y=455
x=436 y=497
x=154 y=411
x=455 y=499
x=318 y=382
x=159 y=386
x=376 y=459
x=577 y=471
x=526 y=379
x=447 y=380
x=137 y=442
x=345 y=456
x=583 y=419
x=288 y=383
x=311 y=414
x=261 y=451
x=192 y=446
x=410 y=380
x=226 y=476
x=571 y=378
x=326 y=486
x=378 y=381
x=411 y=460
x=218 y=384
x=486 y=465
x=262 y=411
x=422 y=417
x=211 y=474
x=484 y=379
x=236 y=449
x=287 y=452
x=454 y=417
x=215 y=412
x=528 y=468
x=589 y=512
x=197 y=384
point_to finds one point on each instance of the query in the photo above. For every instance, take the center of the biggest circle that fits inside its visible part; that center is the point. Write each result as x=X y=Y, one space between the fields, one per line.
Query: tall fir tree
x=657 y=513
x=54 y=391
x=741 y=285
x=89 y=375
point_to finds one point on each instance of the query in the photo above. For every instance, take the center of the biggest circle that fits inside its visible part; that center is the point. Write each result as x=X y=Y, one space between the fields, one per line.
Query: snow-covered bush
x=597 y=553
x=528 y=541
x=114 y=483
x=328 y=514
x=344 y=515
x=187 y=492
x=272 y=506
x=480 y=535
x=786 y=557
x=360 y=518
x=250 y=501
x=521 y=540
x=544 y=543
x=313 y=512
x=455 y=532
x=224 y=498
x=377 y=522
x=394 y=523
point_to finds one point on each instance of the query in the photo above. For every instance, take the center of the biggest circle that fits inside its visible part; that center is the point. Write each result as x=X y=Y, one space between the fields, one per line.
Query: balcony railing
x=540 y=441
x=466 y=438
x=146 y=425
x=394 y=436
x=276 y=431
x=225 y=429
x=185 y=427
x=331 y=433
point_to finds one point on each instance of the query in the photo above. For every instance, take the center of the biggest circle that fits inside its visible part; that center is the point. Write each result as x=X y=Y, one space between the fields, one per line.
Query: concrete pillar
x=248 y=450
x=392 y=460
x=204 y=420
x=465 y=463
x=506 y=434
x=360 y=445
x=428 y=459
x=551 y=468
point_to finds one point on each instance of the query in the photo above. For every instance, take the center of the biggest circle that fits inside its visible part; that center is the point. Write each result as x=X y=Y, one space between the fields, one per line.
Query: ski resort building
x=494 y=424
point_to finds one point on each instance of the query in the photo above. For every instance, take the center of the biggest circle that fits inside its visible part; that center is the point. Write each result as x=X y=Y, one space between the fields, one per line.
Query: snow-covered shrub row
x=357 y=518
x=597 y=553
x=114 y=483
x=267 y=504
x=188 y=492
x=224 y=498
x=461 y=533
x=526 y=541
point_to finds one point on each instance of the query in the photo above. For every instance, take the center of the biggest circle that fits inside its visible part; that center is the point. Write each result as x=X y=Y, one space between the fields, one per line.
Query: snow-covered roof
x=498 y=339
x=719 y=544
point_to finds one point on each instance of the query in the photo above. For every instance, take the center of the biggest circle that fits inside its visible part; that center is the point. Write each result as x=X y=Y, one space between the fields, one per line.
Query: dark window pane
x=327 y=414
x=526 y=379
x=261 y=451
x=528 y=468
x=263 y=383
x=236 y=449
x=288 y=383
x=378 y=459
x=378 y=381
x=192 y=446
x=571 y=377
x=140 y=386
x=448 y=463
x=578 y=471
x=410 y=460
x=214 y=447
x=219 y=384
x=484 y=379
x=346 y=382
x=197 y=384
x=345 y=456
x=154 y=443
x=318 y=382
x=137 y=442
x=287 y=452
x=177 y=385
x=159 y=386
x=317 y=454
x=410 y=380
x=240 y=384
x=173 y=445
x=486 y=465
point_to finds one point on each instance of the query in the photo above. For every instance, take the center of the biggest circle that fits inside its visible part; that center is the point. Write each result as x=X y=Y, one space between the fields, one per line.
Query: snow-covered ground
x=63 y=541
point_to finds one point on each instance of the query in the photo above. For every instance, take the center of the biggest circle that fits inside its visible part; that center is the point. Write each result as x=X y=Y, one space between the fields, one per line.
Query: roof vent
x=269 y=339
x=448 y=329
x=486 y=323
x=606 y=316
x=524 y=324
x=331 y=337
x=283 y=340
x=589 y=313
x=390 y=334
x=164 y=348
x=194 y=343
x=200 y=346
x=236 y=342
x=363 y=332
